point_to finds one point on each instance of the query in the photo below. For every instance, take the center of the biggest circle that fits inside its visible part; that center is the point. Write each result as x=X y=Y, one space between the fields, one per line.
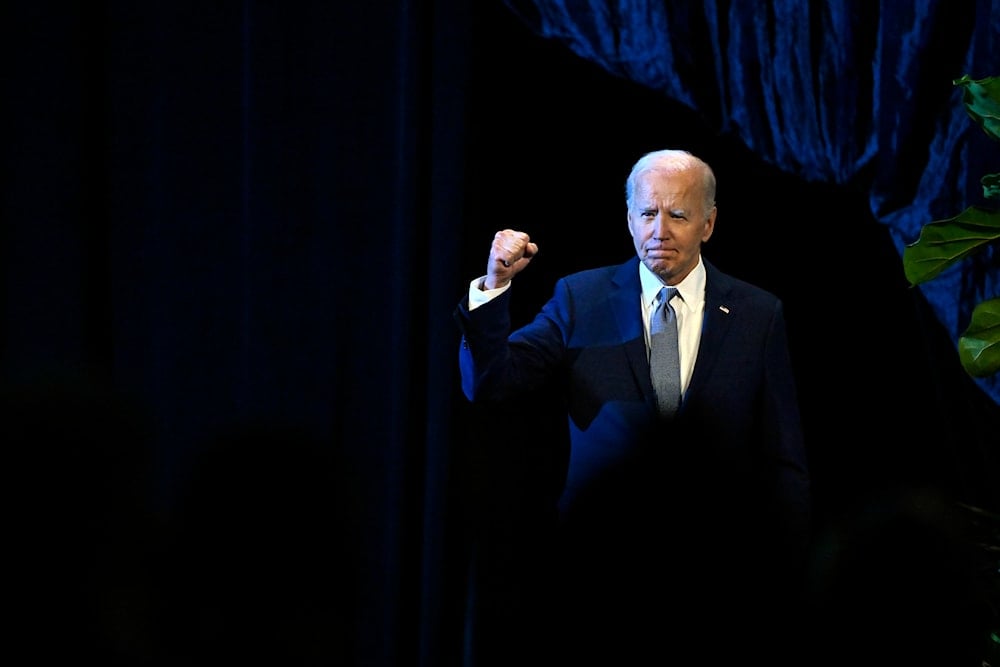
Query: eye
x=648 y=213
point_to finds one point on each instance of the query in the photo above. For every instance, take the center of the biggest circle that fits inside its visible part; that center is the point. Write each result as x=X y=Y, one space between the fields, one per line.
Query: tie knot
x=667 y=293
x=664 y=312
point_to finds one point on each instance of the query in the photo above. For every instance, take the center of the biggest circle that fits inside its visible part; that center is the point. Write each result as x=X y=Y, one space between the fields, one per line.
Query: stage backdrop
x=233 y=235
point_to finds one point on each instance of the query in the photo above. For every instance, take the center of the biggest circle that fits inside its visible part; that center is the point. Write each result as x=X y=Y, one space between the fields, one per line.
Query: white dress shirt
x=688 y=303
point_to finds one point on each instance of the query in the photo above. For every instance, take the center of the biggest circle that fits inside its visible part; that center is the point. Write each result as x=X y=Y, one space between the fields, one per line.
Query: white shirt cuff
x=478 y=297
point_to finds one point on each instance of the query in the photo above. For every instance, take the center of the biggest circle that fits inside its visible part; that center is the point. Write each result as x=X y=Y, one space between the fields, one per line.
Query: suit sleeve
x=496 y=364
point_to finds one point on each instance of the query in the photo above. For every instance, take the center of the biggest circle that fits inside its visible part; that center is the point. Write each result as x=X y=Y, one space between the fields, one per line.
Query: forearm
x=494 y=364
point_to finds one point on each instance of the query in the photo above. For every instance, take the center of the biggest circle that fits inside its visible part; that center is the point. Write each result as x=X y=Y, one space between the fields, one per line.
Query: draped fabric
x=261 y=215
x=224 y=212
x=856 y=93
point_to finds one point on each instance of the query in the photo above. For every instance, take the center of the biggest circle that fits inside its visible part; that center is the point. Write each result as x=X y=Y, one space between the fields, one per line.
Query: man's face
x=668 y=222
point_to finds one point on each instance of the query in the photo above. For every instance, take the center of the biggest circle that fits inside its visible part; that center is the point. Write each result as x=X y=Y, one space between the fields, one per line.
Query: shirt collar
x=692 y=288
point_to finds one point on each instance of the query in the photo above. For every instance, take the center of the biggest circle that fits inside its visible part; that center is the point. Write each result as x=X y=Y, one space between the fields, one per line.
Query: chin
x=660 y=268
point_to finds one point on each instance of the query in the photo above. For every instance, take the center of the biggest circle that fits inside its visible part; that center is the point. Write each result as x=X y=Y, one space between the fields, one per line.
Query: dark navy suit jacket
x=720 y=494
x=739 y=415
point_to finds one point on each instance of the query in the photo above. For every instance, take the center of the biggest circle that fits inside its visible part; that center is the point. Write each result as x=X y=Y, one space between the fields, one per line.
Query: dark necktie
x=664 y=360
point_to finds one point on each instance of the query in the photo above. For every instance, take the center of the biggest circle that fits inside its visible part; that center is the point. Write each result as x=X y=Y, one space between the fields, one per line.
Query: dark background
x=233 y=235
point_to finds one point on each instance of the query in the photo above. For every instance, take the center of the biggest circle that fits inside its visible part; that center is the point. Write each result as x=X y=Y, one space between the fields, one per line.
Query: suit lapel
x=624 y=302
x=720 y=315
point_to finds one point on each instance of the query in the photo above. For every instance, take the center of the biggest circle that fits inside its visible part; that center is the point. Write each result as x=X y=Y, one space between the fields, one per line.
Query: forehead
x=660 y=185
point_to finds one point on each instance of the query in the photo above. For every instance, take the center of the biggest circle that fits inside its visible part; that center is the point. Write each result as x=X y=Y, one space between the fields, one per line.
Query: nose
x=660 y=228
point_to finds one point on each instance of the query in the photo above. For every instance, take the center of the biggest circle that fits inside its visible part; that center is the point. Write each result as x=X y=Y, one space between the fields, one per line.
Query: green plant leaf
x=981 y=98
x=991 y=186
x=979 y=345
x=944 y=242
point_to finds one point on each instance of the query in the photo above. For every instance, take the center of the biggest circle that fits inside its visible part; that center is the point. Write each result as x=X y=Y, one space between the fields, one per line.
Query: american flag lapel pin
x=724 y=309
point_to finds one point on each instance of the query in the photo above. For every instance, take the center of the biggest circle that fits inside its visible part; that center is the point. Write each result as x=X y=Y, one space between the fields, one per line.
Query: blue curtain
x=853 y=92
x=250 y=222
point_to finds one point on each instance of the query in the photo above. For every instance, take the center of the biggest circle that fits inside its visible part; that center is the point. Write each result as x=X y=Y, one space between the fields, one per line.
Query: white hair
x=672 y=160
